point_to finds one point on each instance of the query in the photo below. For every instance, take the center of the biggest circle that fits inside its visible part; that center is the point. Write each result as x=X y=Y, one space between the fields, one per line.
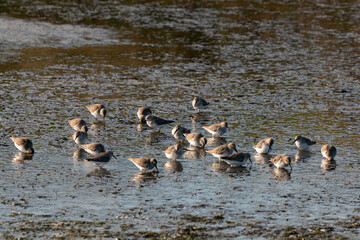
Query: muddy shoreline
x=269 y=69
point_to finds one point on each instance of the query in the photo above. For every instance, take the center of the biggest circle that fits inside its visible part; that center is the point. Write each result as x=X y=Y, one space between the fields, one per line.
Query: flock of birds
x=226 y=153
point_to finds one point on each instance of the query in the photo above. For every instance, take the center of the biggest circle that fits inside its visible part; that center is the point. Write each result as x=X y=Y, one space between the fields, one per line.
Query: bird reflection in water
x=215 y=141
x=21 y=157
x=194 y=152
x=97 y=126
x=144 y=177
x=224 y=167
x=99 y=172
x=302 y=155
x=173 y=166
x=154 y=137
x=219 y=166
x=198 y=118
x=262 y=158
x=141 y=127
x=281 y=174
x=328 y=165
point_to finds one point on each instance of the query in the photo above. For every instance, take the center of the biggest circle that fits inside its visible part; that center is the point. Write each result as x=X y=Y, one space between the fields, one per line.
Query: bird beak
x=114 y=156
x=290 y=166
x=157 y=170
x=293 y=142
x=235 y=149
x=250 y=160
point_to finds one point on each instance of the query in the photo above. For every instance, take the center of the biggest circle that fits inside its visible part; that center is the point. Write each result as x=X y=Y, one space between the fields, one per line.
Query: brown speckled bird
x=97 y=110
x=23 y=144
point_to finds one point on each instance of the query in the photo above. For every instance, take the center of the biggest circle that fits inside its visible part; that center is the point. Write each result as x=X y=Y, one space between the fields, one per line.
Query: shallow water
x=268 y=69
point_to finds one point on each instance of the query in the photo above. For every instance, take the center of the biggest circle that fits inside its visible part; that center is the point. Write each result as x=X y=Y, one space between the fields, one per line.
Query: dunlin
x=217 y=129
x=223 y=150
x=93 y=148
x=78 y=124
x=97 y=110
x=174 y=152
x=328 y=151
x=237 y=159
x=196 y=139
x=178 y=132
x=281 y=161
x=23 y=144
x=199 y=103
x=303 y=143
x=156 y=122
x=142 y=113
x=264 y=146
x=101 y=158
x=80 y=137
x=145 y=164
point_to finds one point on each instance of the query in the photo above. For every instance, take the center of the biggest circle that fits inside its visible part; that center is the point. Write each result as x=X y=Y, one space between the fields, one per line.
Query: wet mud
x=269 y=69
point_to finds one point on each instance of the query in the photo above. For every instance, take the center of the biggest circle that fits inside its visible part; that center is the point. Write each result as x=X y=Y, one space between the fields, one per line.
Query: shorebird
x=174 y=152
x=145 y=164
x=281 y=161
x=199 y=103
x=97 y=110
x=223 y=150
x=80 y=137
x=217 y=129
x=196 y=139
x=328 y=151
x=101 y=158
x=303 y=143
x=264 y=146
x=93 y=148
x=78 y=124
x=23 y=144
x=156 y=122
x=237 y=159
x=178 y=132
x=142 y=113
